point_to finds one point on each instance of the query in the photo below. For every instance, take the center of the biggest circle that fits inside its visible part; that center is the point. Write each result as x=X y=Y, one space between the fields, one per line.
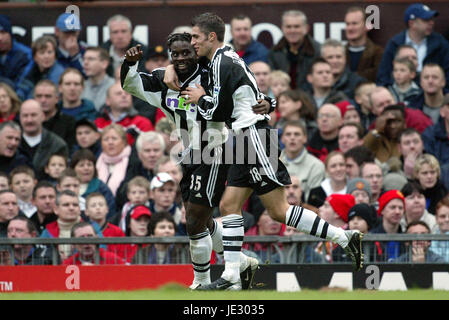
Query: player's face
x=183 y=56
x=200 y=42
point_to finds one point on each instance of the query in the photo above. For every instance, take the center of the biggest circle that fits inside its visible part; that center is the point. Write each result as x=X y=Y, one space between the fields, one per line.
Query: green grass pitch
x=177 y=292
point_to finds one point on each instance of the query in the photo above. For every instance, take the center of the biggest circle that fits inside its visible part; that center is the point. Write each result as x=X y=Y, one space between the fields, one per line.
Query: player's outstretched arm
x=134 y=54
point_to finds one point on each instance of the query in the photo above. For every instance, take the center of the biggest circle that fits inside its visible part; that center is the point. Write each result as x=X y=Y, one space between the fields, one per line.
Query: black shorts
x=256 y=160
x=203 y=184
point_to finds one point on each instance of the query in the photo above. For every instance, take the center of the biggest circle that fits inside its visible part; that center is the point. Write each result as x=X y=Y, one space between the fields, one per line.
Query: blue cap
x=419 y=10
x=68 y=22
x=5 y=23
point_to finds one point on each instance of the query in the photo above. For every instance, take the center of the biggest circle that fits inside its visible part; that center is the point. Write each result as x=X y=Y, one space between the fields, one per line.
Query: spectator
x=163 y=194
x=87 y=137
x=427 y=174
x=97 y=210
x=44 y=67
x=56 y=164
x=150 y=148
x=404 y=88
x=360 y=189
x=137 y=225
x=335 y=209
x=22 y=184
x=15 y=56
x=169 y=165
x=296 y=50
x=415 y=206
x=9 y=209
x=349 y=112
x=381 y=97
x=119 y=109
x=46 y=93
x=436 y=137
x=333 y=51
x=410 y=147
x=279 y=82
x=335 y=181
x=419 y=253
x=355 y=158
x=295 y=105
x=44 y=196
x=321 y=80
x=165 y=127
x=308 y=169
x=71 y=86
x=37 y=142
x=294 y=192
x=433 y=84
x=70 y=48
x=27 y=254
x=362 y=93
x=113 y=161
x=70 y=181
x=9 y=102
x=384 y=140
x=68 y=211
x=10 y=155
x=442 y=218
x=363 y=56
x=391 y=210
x=95 y=64
x=162 y=225
x=430 y=46
x=83 y=163
x=362 y=217
x=262 y=72
x=4 y=181
x=138 y=194
x=157 y=58
x=265 y=226
x=121 y=39
x=372 y=172
x=249 y=49
x=325 y=139
x=408 y=51
x=85 y=254
x=350 y=135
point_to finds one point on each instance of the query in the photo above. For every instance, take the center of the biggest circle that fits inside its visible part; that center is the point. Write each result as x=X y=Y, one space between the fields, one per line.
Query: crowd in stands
x=363 y=131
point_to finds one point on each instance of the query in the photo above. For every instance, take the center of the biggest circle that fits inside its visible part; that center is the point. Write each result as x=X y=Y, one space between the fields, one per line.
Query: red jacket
x=133 y=123
x=106 y=257
x=111 y=230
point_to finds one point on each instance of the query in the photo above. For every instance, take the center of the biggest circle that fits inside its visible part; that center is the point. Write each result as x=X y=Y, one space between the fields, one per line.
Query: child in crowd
x=360 y=217
x=69 y=180
x=56 y=164
x=4 y=181
x=279 y=82
x=137 y=225
x=404 y=88
x=96 y=210
x=138 y=193
x=163 y=194
x=362 y=93
x=22 y=184
x=348 y=112
x=169 y=165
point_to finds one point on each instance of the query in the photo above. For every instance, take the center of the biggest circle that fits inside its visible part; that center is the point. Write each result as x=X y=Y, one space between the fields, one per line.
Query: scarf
x=113 y=179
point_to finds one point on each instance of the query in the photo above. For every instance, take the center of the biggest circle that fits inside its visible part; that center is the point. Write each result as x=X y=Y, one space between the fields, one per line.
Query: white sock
x=233 y=234
x=309 y=222
x=200 y=252
x=217 y=246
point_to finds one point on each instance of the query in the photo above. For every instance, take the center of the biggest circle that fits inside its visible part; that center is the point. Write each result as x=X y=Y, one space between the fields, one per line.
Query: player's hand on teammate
x=192 y=95
x=262 y=107
x=171 y=78
x=134 y=54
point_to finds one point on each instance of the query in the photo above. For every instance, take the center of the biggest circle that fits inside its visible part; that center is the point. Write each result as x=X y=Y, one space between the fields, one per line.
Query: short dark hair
x=30 y=224
x=358 y=126
x=360 y=155
x=69 y=172
x=210 y=22
x=69 y=193
x=409 y=132
x=83 y=154
x=411 y=187
x=103 y=54
x=307 y=110
x=314 y=62
x=43 y=184
x=79 y=225
x=295 y=123
x=419 y=222
x=185 y=37
x=158 y=217
x=395 y=107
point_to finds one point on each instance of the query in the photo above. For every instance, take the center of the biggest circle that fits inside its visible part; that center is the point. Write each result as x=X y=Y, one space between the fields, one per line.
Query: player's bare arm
x=134 y=54
x=171 y=78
